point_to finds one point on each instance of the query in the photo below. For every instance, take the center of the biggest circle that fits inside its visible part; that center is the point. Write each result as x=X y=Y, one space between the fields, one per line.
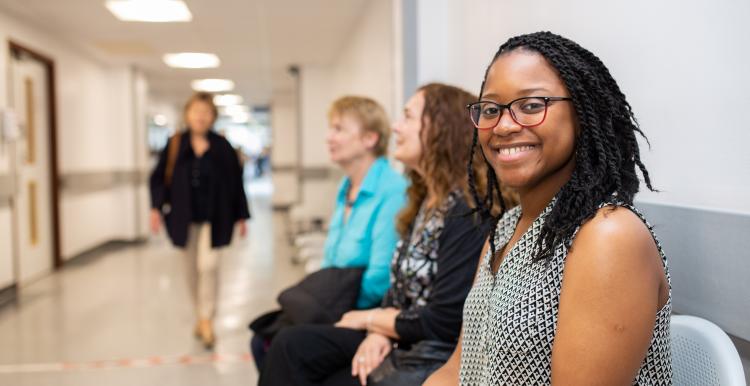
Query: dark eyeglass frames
x=527 y=111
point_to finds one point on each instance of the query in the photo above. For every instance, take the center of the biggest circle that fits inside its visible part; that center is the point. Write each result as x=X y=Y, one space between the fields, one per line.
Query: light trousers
x=202 y=263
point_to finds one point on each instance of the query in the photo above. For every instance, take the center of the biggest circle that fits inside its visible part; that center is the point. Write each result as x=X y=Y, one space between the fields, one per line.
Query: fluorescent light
x=192 y=60
x=156 y=11
x=236 y=109
x=227 y=99
x=212 y=85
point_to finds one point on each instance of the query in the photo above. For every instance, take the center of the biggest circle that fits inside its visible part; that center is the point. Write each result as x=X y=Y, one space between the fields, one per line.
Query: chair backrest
x=702 y=354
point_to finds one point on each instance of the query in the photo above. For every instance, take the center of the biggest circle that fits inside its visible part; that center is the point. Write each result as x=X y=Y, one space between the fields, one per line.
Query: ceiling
x=256 y=39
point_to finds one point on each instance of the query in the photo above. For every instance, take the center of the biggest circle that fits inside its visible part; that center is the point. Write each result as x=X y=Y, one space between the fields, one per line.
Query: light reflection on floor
x=132 y=303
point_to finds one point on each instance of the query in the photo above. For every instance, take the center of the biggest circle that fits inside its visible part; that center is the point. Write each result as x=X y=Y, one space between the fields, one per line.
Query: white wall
x=317 y=93
x=682 y=65
x=142 y=161
x=95 y=123
x=366 y=66
x=6 y=249
x=97 y=132
x=90 y=217
x=6 y=239
x=284 y=154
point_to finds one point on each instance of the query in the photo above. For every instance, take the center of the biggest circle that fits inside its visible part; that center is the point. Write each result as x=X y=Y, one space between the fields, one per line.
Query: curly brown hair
x=446 y=136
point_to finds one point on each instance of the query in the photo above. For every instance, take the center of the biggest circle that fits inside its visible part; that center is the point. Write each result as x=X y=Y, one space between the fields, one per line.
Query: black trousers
x=311 y=355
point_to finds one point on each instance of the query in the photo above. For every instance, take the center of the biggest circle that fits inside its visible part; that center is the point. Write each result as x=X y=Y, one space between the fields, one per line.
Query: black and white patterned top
x=432 y=271
x=510 y=319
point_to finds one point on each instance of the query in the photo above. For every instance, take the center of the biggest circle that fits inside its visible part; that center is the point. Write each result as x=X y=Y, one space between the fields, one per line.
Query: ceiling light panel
x=212 y=85
x=153 y=11
x=192 y=60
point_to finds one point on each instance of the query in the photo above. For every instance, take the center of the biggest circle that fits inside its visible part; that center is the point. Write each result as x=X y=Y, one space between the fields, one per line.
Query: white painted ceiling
x=256 y=39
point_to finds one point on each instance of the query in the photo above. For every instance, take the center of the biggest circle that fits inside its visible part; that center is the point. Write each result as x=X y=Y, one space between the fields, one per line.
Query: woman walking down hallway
x=362 y=232
x=197 y=192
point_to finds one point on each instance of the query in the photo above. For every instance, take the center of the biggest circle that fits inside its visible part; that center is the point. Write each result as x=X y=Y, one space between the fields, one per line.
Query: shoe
x=206 y=331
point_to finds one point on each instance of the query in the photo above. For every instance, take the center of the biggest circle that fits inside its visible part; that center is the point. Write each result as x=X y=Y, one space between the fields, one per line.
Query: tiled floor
x=132 y=303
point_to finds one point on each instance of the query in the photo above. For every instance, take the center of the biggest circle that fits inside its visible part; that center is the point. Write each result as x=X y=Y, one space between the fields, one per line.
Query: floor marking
x=128 y=363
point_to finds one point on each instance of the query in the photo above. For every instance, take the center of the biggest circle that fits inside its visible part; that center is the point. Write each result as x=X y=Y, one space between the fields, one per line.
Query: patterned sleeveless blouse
x=510 y=319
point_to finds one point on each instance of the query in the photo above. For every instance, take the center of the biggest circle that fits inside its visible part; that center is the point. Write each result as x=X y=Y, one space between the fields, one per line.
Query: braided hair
x=606 y=149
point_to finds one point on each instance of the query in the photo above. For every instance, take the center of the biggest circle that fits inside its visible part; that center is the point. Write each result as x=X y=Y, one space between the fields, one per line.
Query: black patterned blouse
x=432 y=271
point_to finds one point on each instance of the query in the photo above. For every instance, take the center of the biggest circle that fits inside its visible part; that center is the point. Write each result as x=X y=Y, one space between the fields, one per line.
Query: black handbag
x=322 y=297
x=411 y=367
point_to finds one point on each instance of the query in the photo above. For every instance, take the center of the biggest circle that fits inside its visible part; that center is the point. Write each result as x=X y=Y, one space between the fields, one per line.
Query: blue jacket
x=368 y=237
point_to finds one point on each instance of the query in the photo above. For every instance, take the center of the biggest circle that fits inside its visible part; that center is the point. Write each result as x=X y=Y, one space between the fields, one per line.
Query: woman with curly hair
x=431 y=270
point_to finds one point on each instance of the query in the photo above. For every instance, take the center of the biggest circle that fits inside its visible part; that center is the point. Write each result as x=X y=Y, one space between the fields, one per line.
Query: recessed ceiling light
x=192 y=60
x=227 y=99
x=212 y=85
x=156 y=11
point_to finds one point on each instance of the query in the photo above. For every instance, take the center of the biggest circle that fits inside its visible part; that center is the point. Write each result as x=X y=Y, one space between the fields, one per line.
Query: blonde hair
x=370 y=114
x=204 y=97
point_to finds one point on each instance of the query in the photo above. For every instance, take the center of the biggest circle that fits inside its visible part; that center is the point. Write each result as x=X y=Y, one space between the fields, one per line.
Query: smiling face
x=524 y=157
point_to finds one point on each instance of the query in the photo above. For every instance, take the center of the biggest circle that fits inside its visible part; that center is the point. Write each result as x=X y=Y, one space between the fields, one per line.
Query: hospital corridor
x=374 y=192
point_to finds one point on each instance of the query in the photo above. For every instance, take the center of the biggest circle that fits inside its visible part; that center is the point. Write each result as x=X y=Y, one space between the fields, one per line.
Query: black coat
x=322 y=297
x=227 y=198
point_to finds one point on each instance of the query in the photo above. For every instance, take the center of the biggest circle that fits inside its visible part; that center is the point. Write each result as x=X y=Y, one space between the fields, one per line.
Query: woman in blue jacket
x=362 y=230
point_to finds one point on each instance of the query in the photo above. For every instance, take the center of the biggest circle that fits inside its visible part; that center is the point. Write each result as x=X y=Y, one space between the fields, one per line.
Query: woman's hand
x=155 y=220
x=355 y=320
x=242 y=225
x=370 y=354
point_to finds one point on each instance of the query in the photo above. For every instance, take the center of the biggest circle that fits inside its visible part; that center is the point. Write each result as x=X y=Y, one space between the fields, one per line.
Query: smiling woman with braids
x=553 y=124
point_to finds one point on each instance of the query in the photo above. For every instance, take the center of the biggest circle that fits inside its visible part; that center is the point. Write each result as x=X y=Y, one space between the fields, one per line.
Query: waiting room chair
x=703 y=354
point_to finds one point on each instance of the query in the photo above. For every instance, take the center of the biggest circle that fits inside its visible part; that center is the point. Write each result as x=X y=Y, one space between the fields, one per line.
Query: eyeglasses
x=527 y=112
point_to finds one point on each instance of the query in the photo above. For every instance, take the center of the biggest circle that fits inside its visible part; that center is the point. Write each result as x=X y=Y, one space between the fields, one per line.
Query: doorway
x=34 y=163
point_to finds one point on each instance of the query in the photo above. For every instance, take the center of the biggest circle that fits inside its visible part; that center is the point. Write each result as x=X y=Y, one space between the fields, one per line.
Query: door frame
x=14 y=49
